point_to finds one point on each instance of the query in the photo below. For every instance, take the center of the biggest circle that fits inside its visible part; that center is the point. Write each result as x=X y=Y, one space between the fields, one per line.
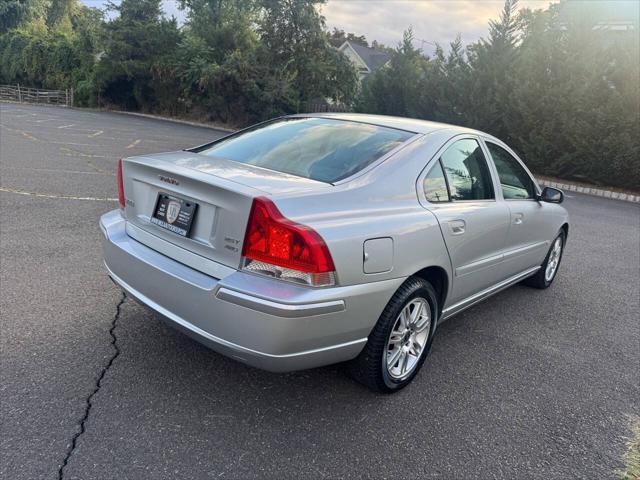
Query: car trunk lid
x=223 y=191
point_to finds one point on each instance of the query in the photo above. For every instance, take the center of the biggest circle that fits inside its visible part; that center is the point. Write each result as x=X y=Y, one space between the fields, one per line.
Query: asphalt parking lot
x=530 y=384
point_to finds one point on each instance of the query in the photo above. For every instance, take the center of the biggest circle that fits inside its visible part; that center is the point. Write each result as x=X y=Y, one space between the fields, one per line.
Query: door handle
x=457 y=227
x=518 y=218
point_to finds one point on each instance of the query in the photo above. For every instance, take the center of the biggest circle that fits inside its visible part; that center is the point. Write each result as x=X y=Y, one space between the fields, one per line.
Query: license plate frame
x=174 y=213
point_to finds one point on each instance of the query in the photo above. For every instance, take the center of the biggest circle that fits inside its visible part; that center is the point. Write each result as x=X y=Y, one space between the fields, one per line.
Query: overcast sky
x=385 y=20
x=432 y=20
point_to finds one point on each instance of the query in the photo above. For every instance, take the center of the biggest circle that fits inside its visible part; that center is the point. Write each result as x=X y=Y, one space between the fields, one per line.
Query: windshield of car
x=321 y=149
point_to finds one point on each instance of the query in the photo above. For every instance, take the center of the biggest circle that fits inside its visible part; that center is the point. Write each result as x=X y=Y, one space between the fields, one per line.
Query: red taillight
x=277 y=241
x=120 y=185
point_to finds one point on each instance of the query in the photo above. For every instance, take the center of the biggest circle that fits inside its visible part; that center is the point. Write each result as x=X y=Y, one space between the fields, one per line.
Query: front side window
x=467 y=171
x=435 y=185
x=515 y=181
x=321 y=149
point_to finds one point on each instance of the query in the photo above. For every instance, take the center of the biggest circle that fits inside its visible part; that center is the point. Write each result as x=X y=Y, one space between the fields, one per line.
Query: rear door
x=528 y=236
x=460 y=191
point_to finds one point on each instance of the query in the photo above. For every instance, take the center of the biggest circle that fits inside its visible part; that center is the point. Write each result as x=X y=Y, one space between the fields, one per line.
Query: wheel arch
x=439 y=279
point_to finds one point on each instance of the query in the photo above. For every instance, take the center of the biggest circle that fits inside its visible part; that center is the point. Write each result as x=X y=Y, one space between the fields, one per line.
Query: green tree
x=445 y=96
x=51 y=56
x=139 y=56
x=59 y=14
x=492 y=62
x=577 y=101
x=222 y=26
x=294 y=41
x=399 y=88
x=338 y=36
x=215 y=59
x=16 y=12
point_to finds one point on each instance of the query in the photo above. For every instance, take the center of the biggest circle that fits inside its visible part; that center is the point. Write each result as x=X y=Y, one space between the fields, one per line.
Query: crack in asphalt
x=96 y=389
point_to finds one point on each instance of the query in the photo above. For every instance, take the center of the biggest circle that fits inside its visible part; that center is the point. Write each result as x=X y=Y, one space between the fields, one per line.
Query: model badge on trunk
x=170 y=180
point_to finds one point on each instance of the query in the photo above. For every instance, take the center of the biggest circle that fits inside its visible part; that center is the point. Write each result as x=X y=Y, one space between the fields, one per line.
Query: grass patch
x=632 y=456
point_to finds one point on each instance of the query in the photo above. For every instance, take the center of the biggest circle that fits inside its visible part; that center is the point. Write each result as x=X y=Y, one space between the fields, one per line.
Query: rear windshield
x=321 y=149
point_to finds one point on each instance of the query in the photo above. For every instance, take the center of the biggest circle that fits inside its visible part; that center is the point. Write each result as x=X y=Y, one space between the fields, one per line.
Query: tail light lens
x=120 y=185
x=278 y=247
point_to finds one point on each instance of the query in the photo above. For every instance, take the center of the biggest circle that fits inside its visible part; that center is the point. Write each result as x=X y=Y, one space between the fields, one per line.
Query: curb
x=597 y=192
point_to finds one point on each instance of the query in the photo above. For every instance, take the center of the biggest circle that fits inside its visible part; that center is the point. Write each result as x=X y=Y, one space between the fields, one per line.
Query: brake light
x=278 y=247
x=120 y=185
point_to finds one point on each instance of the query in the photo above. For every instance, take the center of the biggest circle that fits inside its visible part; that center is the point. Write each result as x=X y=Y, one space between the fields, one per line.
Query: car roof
x=402 y=123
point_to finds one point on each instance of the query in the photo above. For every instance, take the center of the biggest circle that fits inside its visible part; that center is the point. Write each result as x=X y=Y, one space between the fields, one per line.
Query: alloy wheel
x=408 y=338
x=554 y=260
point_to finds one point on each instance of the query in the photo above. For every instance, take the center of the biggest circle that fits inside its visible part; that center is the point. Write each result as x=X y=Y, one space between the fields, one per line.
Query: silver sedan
x=315 y=239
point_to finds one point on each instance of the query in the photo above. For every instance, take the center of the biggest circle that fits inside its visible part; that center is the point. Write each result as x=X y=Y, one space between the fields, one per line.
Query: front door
x=474 y=225
x=529 y=236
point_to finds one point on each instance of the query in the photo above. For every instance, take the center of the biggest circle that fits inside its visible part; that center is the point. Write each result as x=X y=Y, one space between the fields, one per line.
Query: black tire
x=370 y=367
x=539 y=280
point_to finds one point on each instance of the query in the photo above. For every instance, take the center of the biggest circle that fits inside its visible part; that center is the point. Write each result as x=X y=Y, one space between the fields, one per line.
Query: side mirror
x=551 y=195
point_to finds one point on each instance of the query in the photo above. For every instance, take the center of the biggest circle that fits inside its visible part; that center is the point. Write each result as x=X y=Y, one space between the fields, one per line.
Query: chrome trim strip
x=477 y=297
x=526 y=249
x=198 y=331
x=479 y=265
x=279 y=309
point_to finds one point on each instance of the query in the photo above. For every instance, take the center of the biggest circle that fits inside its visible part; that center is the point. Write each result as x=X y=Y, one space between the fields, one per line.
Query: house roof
x=372 y=58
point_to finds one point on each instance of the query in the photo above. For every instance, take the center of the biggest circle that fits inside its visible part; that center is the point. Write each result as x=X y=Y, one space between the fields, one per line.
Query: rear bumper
x=260 y=321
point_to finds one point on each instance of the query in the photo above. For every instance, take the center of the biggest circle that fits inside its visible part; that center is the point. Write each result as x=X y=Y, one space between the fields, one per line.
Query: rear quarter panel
x=381 y=203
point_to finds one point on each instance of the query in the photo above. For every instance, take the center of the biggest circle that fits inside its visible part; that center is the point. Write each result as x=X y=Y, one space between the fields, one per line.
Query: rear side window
x=514 y=180
x=435 y=185
x=467 y=171
x=321 y=149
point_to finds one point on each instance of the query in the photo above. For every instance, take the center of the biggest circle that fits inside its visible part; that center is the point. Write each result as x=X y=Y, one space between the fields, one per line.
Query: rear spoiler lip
x=257 y=178
x=152 y=162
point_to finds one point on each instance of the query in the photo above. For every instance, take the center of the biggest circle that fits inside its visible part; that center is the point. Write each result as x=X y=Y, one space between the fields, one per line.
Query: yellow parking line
x=134 y=144
x=29 y=136
x=76 y=154
x=22 y=132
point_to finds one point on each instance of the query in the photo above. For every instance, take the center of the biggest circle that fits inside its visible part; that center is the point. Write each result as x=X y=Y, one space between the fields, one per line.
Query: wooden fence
x=17 y=93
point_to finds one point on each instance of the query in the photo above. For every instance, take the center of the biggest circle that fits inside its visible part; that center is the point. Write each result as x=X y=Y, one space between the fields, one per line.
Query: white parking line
x=54 y=170
x=134 y=144
x=59 y=196
x=79 y=144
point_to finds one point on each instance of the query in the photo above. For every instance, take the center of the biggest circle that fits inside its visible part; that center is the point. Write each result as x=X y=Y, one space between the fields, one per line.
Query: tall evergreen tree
x=397 y=89
x=491 y=84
